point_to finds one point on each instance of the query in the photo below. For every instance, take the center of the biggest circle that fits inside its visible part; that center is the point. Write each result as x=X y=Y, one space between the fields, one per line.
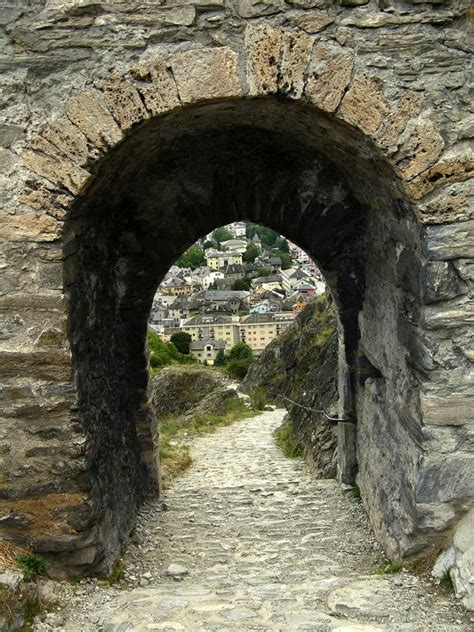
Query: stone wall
x=130 y=129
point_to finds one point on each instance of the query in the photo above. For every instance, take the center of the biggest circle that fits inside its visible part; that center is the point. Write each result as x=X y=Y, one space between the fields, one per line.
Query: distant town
x=241 y=283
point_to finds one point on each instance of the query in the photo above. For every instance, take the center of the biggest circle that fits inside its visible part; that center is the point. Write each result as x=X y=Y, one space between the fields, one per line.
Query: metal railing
x=308 y=410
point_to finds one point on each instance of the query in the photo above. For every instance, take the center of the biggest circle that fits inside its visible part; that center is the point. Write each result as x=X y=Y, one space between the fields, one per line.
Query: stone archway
x=142 y=164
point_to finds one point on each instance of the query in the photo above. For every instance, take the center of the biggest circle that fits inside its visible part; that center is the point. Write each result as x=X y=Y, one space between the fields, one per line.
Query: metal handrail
x=314 y=410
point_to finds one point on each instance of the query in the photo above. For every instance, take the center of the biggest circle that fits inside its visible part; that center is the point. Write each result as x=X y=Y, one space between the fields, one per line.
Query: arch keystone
x=263 y=48
x=206 y=74
x=155 y=83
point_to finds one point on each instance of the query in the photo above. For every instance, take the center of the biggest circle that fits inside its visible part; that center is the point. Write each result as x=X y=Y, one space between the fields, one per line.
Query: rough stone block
x=364 y=104
x=41 y=197
x=29 y=226
x=155 y=82
x=263 y=49
x=328 y=77
x=59 y=172
x=206 y=74
x=69 y=140
x=94 y=120
x=453 y=203
x=123 y=101
x=441 y=282
x=255 y=8
x=451 y=168
x=408 y=109
x=296 y=51
x=446 y=411
x=449 y=241
x=419 y=150
x=449 y=314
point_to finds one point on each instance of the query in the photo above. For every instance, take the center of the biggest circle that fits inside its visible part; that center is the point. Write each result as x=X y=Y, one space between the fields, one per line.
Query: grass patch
x=354 y=492
x=446 y=581
x=258 y=398
x=20 y=608
x=116 y=575
x=388 y=568
x=286 y=441
x=176 y=431
x=32 y=566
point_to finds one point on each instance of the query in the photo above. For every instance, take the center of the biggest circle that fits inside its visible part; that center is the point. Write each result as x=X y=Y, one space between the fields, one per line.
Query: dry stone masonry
x=129 y=130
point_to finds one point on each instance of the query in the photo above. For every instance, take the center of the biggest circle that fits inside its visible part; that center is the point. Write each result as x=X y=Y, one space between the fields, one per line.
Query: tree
x=241 y=351
x=208 y=244
x=241 y=284
x=251 y=253
x=238 y=368
x=286 y=260
x=181 y=341
x=220 y=358
x=282 y=245
x=222 y=234
x=193 y=257
x=268 y=237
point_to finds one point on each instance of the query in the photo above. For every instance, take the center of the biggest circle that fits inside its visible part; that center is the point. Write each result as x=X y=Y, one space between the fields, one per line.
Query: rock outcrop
x=301 y=364
x=189 y=390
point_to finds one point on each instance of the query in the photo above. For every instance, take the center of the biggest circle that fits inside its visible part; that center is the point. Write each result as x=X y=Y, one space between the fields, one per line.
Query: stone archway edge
x=274 y=61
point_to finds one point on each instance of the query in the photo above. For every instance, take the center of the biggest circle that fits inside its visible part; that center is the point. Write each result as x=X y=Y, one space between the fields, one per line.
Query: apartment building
x=213 y=327
x=258 y=330
x=216 y=260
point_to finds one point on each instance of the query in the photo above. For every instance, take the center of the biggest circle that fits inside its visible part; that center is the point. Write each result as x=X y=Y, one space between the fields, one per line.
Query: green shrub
x=258 y=398
x=32 y=566
x=241 y=351
x=238 y=368
x=165 y=353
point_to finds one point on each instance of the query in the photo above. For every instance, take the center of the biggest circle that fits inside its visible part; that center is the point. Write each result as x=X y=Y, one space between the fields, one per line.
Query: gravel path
x=255 y=544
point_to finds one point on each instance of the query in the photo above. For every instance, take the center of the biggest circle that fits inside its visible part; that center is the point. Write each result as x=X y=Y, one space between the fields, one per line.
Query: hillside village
x=241 y=283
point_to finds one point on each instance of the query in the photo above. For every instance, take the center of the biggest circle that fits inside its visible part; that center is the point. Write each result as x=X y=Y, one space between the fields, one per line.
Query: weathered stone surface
x=419 y=150
x=361 y=598
x=447 y=411
x=178 y=390
x=255 y=8
x=263 y=50
x=69 y=140
x=295 y=55
x=408 y=108
x=449 y=241
x=456 y=165
x=94 y=120
x=364 y=104
x=453 y=203
x=440 y=282
x=123 y=101
x=59 y=172
x=206 y=74
x=328 y=77
x=156 y=85
x=25 y=226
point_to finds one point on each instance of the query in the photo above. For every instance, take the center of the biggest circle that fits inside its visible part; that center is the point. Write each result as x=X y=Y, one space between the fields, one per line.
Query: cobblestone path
x=266 y=548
